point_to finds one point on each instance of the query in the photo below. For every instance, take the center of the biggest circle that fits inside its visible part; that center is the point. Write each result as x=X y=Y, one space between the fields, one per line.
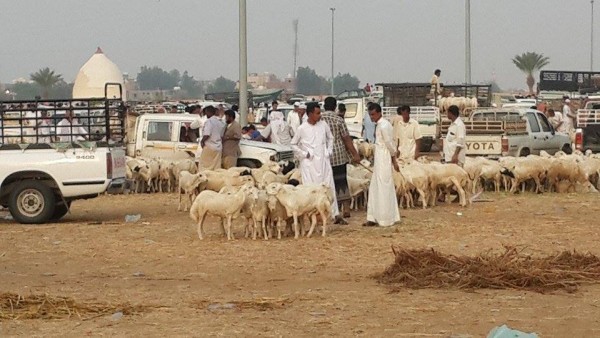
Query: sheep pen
x=511 y=269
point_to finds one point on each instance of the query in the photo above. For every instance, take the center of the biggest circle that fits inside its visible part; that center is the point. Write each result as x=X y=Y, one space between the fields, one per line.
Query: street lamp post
x=243 y=105
x=467 y=41
x=592 y=39
x=332 y=9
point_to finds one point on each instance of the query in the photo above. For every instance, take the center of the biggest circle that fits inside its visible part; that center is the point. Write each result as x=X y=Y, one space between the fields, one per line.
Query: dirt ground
x=307 y=287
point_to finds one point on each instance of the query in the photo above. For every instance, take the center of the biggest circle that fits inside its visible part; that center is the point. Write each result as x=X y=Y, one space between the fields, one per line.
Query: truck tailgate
x=484 y=145
x=118 y=160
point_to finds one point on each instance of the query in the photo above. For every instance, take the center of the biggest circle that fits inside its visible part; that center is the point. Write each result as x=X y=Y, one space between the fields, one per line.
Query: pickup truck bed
x=588 y=124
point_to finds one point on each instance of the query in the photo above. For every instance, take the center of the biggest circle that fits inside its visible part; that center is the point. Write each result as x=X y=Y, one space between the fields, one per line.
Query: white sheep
x=188 y=186
x=225 y=205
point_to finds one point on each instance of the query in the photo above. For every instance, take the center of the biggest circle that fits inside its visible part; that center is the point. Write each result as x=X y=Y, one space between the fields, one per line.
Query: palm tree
x=46 y=79
x=528 y=63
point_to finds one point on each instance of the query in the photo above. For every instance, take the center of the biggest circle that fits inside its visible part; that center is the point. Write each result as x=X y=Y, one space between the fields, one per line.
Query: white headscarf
x=277 y=122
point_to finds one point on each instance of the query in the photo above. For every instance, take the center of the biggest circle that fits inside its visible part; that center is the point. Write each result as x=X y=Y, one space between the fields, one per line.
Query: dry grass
x=15 y=306
x=511 y=269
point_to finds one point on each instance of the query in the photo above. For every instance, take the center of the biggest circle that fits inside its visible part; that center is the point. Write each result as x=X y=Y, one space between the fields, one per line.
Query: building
x=94 y=74
x=268 y=80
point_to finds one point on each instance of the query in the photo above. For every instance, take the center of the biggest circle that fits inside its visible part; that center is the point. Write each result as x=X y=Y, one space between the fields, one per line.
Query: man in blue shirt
x=368 y=129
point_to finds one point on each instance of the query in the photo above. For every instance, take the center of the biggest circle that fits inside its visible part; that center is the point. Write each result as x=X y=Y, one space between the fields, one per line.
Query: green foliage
x=28 y=91
x=153 y=78
x=344 y=82
x=221 y=85
x=191 y=87
x=309 y=82
x=46 y=79
x=529 y=63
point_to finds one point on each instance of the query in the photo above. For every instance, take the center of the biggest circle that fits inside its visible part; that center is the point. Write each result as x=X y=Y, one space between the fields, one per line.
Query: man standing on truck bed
x=342 y=146
x=211 y=142
x=568 y=118
x=454 y=145
x=407 y=136
x=435 y=85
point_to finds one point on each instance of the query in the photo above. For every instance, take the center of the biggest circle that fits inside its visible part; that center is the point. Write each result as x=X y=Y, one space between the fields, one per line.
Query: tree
x=221 y=85
x=191 y=87
x=46 y=79
x=309 y=82
x=529 y=63
x=151 y=78
x=344 y=82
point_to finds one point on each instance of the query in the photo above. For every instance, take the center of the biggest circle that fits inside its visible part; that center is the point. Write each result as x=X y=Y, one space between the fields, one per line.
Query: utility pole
x=332 y=9
x=592 y=39
x=295 y=24
x=467 y=41
x=243 y=66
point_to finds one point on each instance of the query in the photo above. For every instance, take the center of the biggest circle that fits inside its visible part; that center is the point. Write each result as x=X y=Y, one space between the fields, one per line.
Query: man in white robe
x=382 y=207
x=313 y=146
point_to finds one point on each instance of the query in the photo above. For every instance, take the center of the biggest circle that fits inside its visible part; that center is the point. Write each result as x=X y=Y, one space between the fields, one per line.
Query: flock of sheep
x=272 y=201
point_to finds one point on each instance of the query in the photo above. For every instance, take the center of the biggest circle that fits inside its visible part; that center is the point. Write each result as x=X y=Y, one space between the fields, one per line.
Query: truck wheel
x=567 y=149
x=426 y=147
x=247 y=163
x=60 y=210
x=524 y=152
x=31 y=202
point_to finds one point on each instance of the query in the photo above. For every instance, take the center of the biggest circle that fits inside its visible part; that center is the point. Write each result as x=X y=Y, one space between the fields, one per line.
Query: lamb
x=225 y=205
x=305 y=199
x=165 y=175
x=357 y=186
x=366 y=150
x=417 y=178
x=188 y=186
x=219 y=179
x=277 y=213
x=149 y=174
x=445 y=176
x=132 y=170
x=183 y=165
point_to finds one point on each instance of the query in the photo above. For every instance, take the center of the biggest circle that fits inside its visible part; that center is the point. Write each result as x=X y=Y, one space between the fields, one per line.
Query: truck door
x=187 y=140
x=157 y=138
x=354 y=118
x=551 y=143
x=536 y=136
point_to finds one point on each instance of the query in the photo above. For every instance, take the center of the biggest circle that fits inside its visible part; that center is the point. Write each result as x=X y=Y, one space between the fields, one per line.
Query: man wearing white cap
x=297 y=117
x=568 y=117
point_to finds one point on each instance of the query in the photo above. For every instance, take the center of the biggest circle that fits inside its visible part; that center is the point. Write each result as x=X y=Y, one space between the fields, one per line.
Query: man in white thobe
x=313 y=146
x=69 y=129
x=382 y=207
x=407 y=135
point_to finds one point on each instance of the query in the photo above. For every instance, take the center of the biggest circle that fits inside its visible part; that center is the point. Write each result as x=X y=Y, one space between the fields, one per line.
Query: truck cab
x=167 y=136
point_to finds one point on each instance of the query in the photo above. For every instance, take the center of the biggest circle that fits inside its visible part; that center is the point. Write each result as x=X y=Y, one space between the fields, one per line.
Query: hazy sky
x=377 y=40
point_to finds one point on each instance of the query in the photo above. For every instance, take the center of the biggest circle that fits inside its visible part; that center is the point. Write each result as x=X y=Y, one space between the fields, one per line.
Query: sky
x=376 y=40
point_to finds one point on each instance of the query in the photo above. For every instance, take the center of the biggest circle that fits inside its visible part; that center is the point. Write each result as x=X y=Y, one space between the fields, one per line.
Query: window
x=544 y=123
x=533 y=124
x=351 y=109
x=159 y=131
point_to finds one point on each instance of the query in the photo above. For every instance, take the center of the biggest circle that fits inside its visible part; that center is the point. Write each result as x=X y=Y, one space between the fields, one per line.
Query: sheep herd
x=272 y=201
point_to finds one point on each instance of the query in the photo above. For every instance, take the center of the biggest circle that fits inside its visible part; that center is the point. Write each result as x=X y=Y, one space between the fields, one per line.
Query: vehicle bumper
x=116 y=186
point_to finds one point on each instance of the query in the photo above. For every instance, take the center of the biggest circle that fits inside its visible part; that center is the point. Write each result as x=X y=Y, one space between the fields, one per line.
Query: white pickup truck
x=587 y=134
x=427 y=116
x=510 y=132
x=41 y=173
x=164 y=136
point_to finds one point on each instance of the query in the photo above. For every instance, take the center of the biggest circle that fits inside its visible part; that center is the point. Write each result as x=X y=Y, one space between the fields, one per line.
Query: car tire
x=247 y=163
x=60 y=211
x=31 y=202
x=524 y=152
x=567 y=149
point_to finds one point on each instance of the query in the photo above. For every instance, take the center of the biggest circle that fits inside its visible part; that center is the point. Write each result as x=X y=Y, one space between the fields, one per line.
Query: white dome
x=94 y=74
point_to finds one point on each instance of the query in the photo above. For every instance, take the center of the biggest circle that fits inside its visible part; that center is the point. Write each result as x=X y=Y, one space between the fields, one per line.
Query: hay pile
x=508 y=270
x=14 y=306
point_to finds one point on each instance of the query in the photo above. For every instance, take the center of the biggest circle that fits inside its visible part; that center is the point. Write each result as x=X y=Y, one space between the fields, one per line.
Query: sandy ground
x=312 y=287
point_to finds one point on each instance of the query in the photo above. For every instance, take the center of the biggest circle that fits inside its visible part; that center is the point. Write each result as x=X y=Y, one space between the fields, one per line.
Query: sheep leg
x=254 y=228
x=324 y=218
x=313 y=223
x=264 y=228
x=229 y=234
x=296 y=230
x=423 y=197
x=201 y=224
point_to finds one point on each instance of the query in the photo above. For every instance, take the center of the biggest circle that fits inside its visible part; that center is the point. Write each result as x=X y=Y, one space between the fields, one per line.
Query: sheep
x=225 y=205
x=304 y=199
x=403 y=190
x=277 y=213
x=417 y=178
x=357 y=186
x=246 y=212
x=183 y=165
x=446 y=176
x=366 y=150
x=165 y=175
x=132 y=170
x=218 y=179
x=188 y=186
x=260 y=211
